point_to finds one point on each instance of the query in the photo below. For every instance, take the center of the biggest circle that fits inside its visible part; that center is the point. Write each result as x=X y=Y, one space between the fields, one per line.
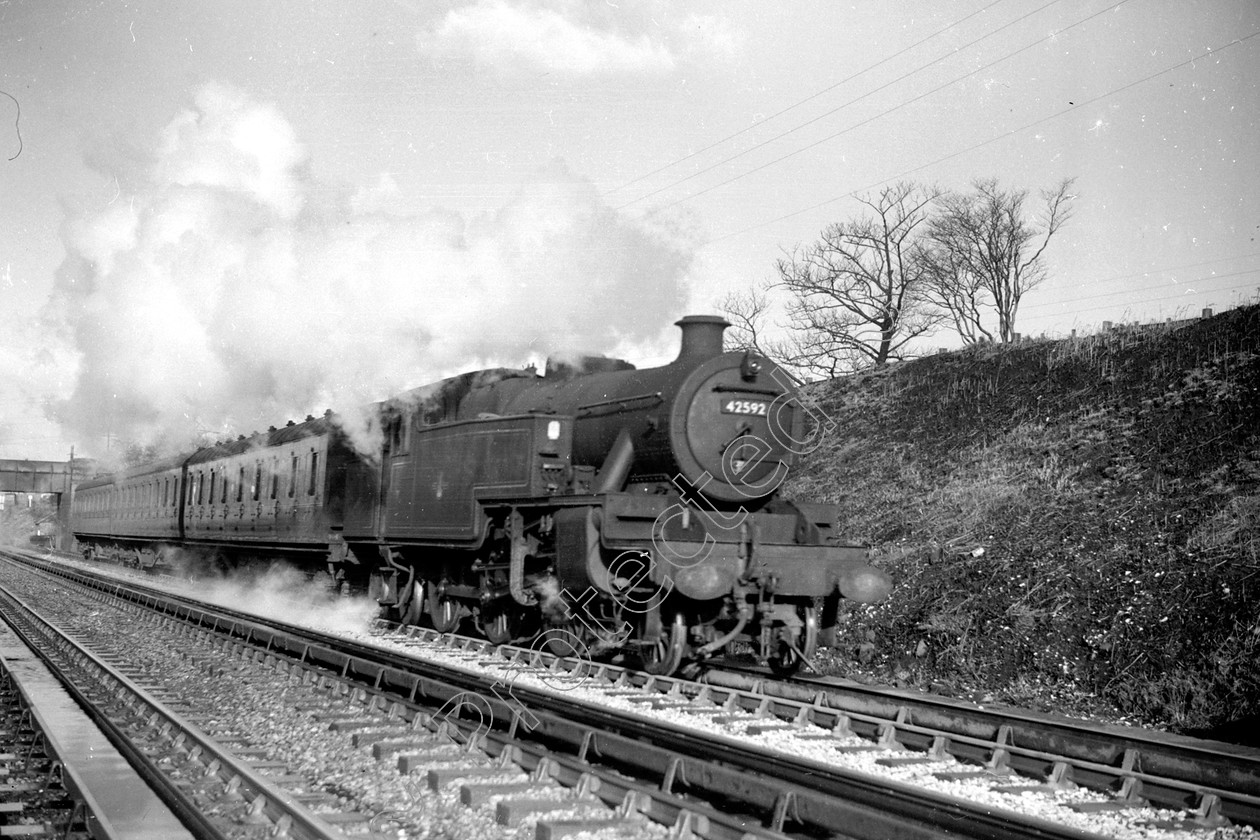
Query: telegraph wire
x=1138 y=302
x=810 y=98
x=972 y=148
x=868 y=121
x=1167 y=268
x=838 y=108
x=1204 y=279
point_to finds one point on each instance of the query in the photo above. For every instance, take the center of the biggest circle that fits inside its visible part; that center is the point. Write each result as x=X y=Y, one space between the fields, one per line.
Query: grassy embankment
x=1071 y=524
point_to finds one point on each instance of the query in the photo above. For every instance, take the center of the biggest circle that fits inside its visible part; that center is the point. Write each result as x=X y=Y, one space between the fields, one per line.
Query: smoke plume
x=224 y=289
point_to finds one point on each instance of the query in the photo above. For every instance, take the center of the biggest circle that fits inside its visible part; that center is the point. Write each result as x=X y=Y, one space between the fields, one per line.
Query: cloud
x=227 y=290
x=708 y=37
x=578 y=38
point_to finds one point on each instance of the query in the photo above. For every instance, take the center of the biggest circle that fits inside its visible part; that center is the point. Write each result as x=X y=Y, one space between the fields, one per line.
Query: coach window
x=213 y=478
x=400 y=433
x=310 y=490
x=240 y=484
x=275 y=477
x=256 y=489
x=293 y=477
x=395 y=434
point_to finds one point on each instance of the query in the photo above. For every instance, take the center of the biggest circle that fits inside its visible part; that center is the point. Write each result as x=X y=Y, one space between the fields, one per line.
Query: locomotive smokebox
x=701 y=337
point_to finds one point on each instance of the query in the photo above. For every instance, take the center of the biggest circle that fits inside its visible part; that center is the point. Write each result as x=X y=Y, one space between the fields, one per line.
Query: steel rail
x=1219 y=780
x=780 y=789
x=265 y=799
x=86 y=806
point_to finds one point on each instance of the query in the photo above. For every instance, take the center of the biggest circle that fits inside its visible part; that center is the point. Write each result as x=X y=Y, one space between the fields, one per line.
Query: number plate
x=754 y=407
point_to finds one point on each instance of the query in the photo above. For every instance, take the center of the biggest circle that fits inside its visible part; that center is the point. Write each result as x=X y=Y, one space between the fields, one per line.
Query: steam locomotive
x=599 y=506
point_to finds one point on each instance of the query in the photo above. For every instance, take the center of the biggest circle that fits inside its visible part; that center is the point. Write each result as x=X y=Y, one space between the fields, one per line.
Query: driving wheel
x=666 y=654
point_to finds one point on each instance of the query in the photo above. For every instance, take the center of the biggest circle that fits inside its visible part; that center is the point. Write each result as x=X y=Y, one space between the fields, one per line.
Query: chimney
x=701 y=337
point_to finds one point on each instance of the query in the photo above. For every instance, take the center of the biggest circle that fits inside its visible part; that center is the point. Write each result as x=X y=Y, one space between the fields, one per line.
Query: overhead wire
x=839 y=108
x=810 y=98
x=882 y=114
x=991 y=140
x=1070 y=312
x=1203 y=279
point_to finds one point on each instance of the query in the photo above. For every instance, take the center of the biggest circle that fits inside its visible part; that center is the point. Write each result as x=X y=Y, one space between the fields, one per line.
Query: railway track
x=165 y=760
x=1216 y=783
x=60 y=775
x=695 y=757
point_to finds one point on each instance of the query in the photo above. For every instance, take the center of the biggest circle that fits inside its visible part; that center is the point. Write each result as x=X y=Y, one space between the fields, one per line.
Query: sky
x=216 y=217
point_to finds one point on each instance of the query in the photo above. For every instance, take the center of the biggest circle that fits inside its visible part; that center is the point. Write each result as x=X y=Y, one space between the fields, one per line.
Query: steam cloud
x=224 y=289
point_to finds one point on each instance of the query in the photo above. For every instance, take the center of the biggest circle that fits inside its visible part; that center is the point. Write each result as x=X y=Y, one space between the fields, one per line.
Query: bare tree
x=747 y=312
x=960 y=293
x=986 y=252
x=858 y=293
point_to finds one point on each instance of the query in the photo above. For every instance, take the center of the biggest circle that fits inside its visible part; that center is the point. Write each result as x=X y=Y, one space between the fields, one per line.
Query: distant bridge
x=43 y=478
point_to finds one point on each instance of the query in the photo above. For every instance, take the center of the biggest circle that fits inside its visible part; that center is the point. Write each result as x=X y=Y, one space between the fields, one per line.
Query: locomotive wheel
x=444 y=613
x=498 y=624
x=666 y=654
x=413 y=610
